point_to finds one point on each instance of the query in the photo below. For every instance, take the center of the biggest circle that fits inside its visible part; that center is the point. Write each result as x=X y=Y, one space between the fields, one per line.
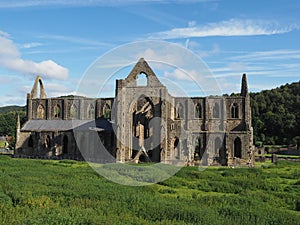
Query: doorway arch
x=65 y=145
x=237 y=148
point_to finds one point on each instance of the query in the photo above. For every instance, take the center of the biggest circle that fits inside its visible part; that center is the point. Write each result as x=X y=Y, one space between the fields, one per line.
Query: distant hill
x=12 y=108
x=8 y=118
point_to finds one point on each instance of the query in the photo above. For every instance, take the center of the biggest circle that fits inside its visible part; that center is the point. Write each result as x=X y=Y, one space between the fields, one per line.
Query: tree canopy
x=276 y=114
x=8 y=119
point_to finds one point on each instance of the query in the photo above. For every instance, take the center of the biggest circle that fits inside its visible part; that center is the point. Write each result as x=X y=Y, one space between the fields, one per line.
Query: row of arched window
x=234 y=111
x=48 y=143
x=218 y=147
x=41 y=113
x=106 y=111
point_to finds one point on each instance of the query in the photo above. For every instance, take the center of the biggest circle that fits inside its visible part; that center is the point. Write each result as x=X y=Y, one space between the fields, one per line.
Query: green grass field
x=69 y=192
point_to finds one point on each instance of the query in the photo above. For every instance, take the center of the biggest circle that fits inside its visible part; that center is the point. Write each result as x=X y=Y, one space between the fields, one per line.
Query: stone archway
x=176 y=145
x=38 y=83
x=237 y=148
x=142 y=113
x=65 y=145
x=220 y=151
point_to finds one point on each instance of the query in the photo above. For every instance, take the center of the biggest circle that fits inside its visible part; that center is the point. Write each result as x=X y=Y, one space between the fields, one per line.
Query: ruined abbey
x=140 y=124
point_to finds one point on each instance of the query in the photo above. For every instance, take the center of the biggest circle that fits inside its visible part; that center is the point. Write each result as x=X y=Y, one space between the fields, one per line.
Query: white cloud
x=192 y=23
x=179 y=74
x=3 y=34
x=214 y=51
x=163 y=57
x=270 y=55
x=56 y=90
x=237 y=69
x=13 y=100
x=238 y=66
x=232 y=27
x=10 y=58
x=31 y=45
x=74 y=40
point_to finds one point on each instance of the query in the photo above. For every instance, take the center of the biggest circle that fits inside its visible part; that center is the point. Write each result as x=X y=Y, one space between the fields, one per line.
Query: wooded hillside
x=276 y=114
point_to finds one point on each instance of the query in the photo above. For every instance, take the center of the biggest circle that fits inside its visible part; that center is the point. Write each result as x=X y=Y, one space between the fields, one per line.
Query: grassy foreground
x=69 y=192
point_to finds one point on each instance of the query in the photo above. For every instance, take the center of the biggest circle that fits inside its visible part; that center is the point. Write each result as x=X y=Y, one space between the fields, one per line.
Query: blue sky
x=60 y=39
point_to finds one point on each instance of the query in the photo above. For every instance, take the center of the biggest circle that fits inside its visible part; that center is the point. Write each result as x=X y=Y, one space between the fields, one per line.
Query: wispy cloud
x=4 y=34
x=31 y=45
x=233 y=70
x=74 y=40
x=181 y=75
x=11 y=59
x=78 y=3
x=232 y=27
x=279 y=65
x=270 y=55
x=62 y=89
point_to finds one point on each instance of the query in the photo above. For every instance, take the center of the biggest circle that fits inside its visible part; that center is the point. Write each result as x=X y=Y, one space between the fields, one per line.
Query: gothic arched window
x=48 y=142
x=142 y=80
x=216 y=111
x=91 y=111
x=41 y=112
x=234 y=111
x=176 y=145
x=30 y=142
x=65 y=146
x=237 y=148
x=106 y=111
x=179 y=111
x=198 y=111
x=73 y=111
x=197 y=152
x=57 y=111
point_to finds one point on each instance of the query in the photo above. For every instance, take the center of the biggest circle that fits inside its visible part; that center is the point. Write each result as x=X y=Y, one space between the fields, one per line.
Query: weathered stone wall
x=214 y=129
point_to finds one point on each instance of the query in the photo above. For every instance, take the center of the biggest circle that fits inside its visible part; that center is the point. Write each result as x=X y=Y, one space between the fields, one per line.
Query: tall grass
x=69 y=192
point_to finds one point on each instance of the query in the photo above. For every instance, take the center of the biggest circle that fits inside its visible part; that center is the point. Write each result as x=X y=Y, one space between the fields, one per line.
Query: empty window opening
x=237 y=148
x=142 y=80
x=65 y=144
x=198 y=113
x=48 y=142
x=30 y=142
x=73 y=111
x=216 y=111
x=177 y=148
x=91 y=111
x=179 y=111
x=197 y=152
x=234 y=111
x=41 y=112
x=57 y=111
x=106 y=111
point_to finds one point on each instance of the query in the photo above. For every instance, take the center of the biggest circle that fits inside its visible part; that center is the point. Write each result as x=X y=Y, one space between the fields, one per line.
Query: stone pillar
x=48 y=106
x=65 y=109
x=29 y=107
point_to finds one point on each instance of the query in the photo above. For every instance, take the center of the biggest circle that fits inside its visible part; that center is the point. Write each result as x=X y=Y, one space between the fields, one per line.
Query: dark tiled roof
x=65 y=125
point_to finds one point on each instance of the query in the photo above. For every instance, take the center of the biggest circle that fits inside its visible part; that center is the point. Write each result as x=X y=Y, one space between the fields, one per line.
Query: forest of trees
x=8 y=120
x=275 y=116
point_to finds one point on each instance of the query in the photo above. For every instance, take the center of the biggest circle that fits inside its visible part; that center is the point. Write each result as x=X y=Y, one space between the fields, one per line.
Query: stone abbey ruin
x=141 y=124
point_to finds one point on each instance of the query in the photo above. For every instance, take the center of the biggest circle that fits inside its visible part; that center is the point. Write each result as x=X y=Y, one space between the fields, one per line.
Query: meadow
x=69 y=192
